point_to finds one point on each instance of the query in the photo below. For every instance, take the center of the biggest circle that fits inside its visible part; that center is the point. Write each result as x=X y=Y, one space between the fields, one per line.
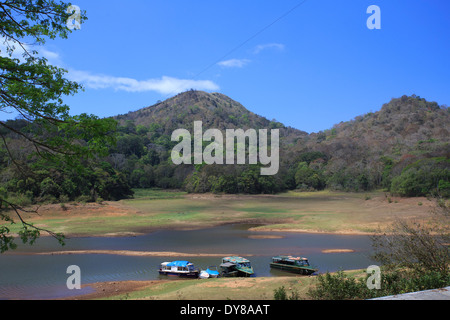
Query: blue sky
x=317 y=66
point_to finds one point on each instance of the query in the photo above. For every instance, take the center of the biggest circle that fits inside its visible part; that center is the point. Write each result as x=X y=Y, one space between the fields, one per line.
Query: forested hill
x=403 y=148
x=215 y=110
x=398 y=127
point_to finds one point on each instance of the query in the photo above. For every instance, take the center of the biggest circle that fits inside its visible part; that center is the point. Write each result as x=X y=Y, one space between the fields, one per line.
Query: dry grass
x=327 y=212
x=221 y=289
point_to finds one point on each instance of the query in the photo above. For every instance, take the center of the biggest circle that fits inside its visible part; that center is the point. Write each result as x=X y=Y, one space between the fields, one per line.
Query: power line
x=284 y=15
x=251 y=38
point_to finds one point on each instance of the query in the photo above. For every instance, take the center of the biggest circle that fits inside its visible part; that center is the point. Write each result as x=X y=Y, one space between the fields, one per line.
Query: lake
x=28 y=276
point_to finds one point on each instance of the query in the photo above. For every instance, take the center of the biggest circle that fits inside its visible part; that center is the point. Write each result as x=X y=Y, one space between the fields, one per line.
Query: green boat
x=298 y=265
x=236 y=267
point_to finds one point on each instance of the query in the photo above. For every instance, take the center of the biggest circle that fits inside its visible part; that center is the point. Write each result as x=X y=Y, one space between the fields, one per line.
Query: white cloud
x=261 y=47
x=19 y=51
x=234 y=63
x=52 y=57
x=164 y=85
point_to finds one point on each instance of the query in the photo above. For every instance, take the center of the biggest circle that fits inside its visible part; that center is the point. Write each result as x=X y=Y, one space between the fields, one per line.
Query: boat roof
x=290 y=258
x=227 y=264
x=215 y=272
x=235 y=259
x=177 y=263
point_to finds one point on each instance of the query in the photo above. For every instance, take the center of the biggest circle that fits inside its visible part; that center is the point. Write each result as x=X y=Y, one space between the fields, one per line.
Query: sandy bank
x=312 y=231
x=264 y=237
x=102 y=290
x=338 y=251
x=139 y=253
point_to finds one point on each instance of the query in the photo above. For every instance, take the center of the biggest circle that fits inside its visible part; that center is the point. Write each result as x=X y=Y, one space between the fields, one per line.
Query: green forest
x=402 y=149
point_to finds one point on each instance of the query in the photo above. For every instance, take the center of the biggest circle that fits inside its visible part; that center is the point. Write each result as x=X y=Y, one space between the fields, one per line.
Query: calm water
x=25 y=276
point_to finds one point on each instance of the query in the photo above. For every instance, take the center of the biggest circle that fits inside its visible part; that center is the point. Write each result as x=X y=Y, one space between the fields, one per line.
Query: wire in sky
x=284 y=15
x=250 y=39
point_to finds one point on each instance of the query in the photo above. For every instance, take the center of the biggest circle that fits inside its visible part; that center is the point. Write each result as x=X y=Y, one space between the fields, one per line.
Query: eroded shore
x=314 y=212
x=319 y=212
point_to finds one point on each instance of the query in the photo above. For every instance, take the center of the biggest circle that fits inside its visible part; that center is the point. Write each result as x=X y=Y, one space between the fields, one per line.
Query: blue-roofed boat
x=184 y=269
x=211 y=272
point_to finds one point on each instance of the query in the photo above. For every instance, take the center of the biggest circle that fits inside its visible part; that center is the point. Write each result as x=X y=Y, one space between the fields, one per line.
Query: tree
x=424 y=177
x=306 y=176
x=418 y=245
x=130 y=144
x=34 y=90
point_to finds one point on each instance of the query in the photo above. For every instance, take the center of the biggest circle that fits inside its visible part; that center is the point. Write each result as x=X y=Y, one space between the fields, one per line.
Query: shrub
x=84 y=199
x=280 y=294
x=336 y=287
x=64 y=198
x=20 y=199
x=393 y=282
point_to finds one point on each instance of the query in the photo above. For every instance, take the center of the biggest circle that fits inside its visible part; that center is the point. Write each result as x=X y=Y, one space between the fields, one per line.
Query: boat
x=210 y=272
x=213 y=272
x=236 y=267
x=203 y=274
x=183 y=269
x=298 y=265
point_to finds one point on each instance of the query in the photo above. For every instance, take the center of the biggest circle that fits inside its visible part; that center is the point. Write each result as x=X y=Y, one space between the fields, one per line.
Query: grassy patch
x=153 y=208
x=223 y=289
x=151 y=194
x=264 y=210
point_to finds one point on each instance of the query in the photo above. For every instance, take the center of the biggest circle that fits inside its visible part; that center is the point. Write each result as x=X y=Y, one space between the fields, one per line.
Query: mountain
x=403 y=148
x=407 y=132
x=215 y=110
x=401 y=123
x=409 y=136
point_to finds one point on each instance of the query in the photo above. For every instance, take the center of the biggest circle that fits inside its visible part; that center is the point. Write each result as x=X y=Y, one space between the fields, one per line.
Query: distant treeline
x=402 y=149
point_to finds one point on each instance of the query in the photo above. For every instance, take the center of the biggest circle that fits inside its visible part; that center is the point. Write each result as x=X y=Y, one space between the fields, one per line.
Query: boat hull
x=214 y=275
x=236 y=273
x=293 y=269
x=212 y=272
x=236 y=267
x=179 y=274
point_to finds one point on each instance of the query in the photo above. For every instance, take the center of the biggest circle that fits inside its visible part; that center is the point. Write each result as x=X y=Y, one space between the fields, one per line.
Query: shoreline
x=194 y=227
x=104 y=290
x=158 y=289
x=169 y=254
x=264 y=227
x=317 y=213
x=137 y=253
x=313 y=231
x=266 y=217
